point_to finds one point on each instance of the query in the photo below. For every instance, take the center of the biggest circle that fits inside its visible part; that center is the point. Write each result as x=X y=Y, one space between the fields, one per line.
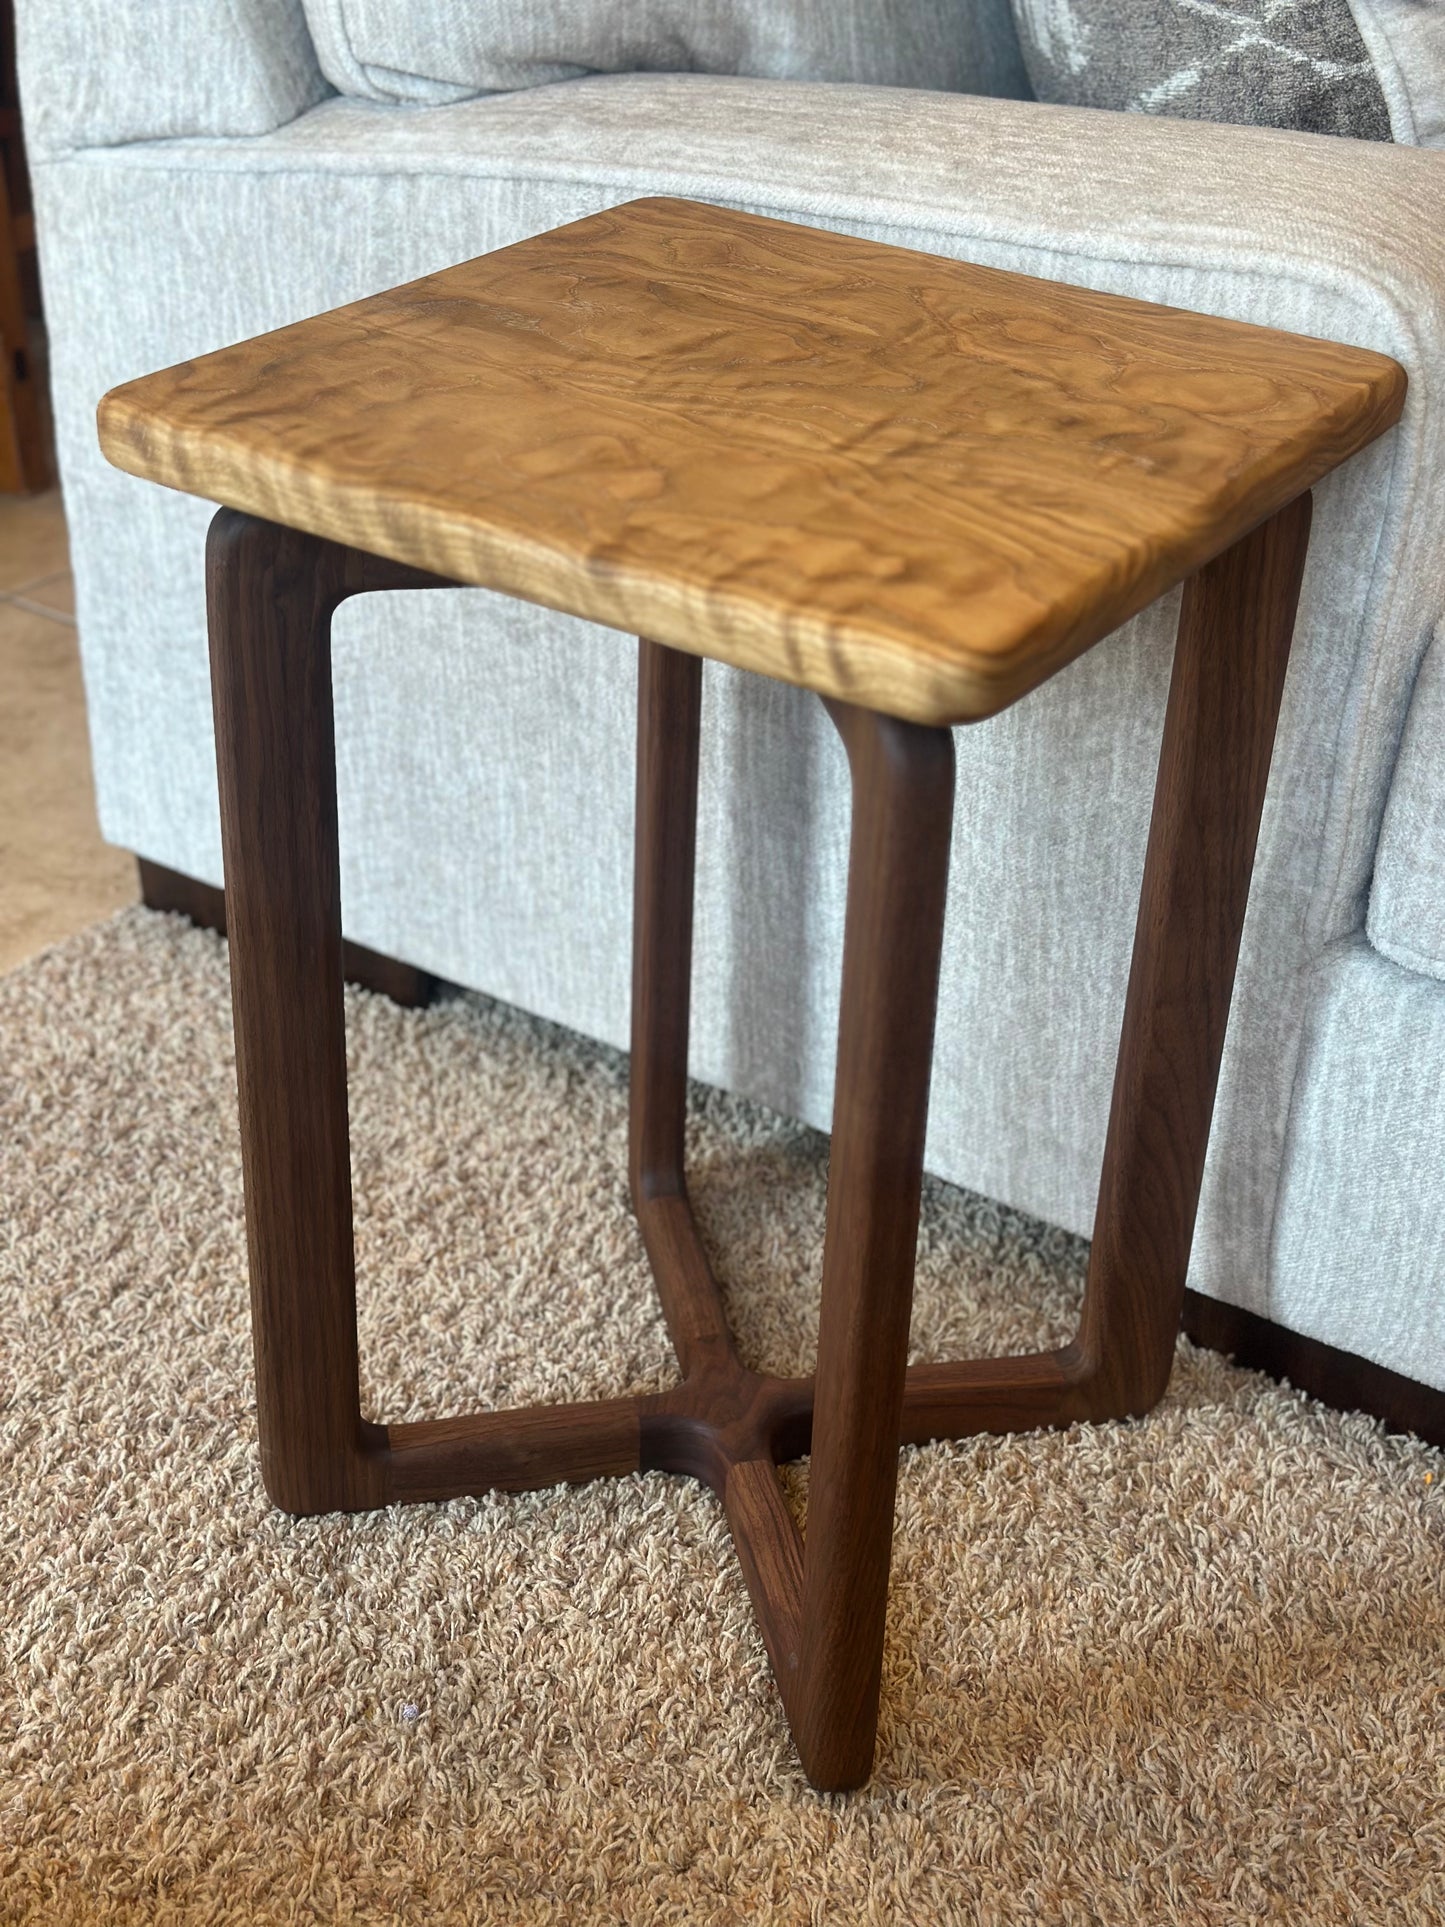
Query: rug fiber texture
x=1182 y=1670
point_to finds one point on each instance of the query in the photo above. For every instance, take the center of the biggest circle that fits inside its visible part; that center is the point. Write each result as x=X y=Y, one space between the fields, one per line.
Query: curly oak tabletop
x=909 y=482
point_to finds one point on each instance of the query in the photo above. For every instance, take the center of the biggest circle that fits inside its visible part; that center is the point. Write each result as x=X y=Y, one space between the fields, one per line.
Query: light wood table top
x=909 y=482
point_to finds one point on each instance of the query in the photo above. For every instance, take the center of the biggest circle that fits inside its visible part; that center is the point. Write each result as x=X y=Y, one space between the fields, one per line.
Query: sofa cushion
x=450 y=50
x=1407 y=897
x=1372 y=69
x=97 y=73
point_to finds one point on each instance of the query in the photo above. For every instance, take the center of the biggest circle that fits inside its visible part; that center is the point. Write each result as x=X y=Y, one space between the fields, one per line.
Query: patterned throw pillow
x=1269 y=63
x=435 y=51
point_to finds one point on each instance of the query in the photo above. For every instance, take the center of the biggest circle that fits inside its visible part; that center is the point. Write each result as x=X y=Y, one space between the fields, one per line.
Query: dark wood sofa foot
x=205 y=904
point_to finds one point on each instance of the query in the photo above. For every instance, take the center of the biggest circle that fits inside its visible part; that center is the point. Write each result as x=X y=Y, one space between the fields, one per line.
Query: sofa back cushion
x=1373 y=69
x=100 y=73
x=448 y=50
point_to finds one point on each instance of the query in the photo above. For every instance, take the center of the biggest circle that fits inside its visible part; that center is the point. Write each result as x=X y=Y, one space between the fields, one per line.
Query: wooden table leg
x=669 y=715
x=822 y=1603
x=1235 y=629
x=897 y=883
x=271 y=594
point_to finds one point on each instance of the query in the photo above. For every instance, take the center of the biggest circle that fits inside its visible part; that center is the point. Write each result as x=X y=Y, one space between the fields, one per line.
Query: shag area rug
x=1183 y=1670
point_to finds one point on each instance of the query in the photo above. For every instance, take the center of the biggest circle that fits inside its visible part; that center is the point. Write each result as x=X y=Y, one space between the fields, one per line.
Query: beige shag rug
x=1186 y=1670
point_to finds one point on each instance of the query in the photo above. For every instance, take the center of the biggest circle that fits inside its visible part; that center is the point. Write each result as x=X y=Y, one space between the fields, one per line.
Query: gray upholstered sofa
x=198 y=180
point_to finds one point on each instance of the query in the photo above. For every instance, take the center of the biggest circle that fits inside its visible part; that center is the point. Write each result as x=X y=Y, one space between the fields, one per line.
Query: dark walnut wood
x=1229 y=667
x=821 y=1599
x=908 y=483
x=917 y=488
x=271 y=594
x=902 y=777
x=205 y=904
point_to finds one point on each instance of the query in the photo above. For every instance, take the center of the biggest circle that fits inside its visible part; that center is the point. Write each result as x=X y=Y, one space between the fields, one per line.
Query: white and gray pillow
x=448 y=50
x=1355 y=67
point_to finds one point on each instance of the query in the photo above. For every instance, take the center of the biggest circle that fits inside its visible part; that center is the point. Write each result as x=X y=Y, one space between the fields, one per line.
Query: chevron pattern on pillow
x=1269 y=63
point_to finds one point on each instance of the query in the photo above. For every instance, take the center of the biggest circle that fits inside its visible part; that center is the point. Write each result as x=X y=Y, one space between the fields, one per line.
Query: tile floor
x=56 y=874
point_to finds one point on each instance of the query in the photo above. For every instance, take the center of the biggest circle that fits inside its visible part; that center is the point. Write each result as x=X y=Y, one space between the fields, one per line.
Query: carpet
x=1181 y=1670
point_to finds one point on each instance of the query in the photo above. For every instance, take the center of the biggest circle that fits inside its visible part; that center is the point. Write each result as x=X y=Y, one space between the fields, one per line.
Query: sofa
x=207 y=169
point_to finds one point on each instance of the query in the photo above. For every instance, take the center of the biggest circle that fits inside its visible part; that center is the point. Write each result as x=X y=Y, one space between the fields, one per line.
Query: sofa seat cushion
x=1407 y=898
x=1370 y=69
x=450 y=50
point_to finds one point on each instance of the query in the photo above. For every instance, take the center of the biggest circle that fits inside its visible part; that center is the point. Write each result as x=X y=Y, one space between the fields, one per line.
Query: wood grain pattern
x=271 y=594
x=913 y=484
x=902 y=779
x=820 y=1600
x=669 y=716
x=1235 y=628
x=823 y=460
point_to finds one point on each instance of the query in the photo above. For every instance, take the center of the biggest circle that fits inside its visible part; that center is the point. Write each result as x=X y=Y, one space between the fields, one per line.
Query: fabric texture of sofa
x=198 y=185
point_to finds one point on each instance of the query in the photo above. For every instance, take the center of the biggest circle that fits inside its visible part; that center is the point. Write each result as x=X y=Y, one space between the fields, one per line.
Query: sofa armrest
x=1407 y=897
x=102 y=73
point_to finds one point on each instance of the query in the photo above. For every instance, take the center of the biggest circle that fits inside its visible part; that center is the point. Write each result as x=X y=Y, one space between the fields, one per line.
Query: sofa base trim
x=1336 y=1378
x=205 y=904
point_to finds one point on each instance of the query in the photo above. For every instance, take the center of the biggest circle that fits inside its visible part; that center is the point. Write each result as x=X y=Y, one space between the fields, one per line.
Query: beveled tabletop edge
x=872 y=669
x=841 y=657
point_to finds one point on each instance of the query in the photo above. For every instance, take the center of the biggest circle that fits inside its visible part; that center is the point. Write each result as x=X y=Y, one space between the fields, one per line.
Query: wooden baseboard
x=205 y=904
x=1336 y=1378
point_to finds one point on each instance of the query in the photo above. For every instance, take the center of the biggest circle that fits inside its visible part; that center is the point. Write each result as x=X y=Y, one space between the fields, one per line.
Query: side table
x=914 y=486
